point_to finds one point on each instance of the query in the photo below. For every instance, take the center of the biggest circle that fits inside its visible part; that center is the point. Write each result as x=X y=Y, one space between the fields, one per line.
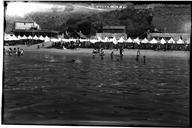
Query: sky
x=22 y=8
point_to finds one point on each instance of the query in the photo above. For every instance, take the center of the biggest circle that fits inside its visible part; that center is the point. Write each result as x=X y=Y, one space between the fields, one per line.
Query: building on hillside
x=32 y=28
x=113 y=31
x=175 y=36
x=26 y=25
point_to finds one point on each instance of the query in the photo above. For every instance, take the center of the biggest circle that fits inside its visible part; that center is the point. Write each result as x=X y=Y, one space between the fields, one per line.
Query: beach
x=88 y=51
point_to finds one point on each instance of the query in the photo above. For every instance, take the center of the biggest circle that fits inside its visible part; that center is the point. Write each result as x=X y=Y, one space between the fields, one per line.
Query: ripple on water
x=157 y=87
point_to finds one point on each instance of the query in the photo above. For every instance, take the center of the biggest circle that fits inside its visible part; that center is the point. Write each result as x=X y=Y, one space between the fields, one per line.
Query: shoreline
x=88 y=51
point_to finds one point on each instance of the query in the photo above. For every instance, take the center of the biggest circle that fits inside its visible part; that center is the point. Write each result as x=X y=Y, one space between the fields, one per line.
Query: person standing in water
x=121 y=51
x=138 y=54
x=112 y=54
x=102 y=54
x=144 y=58
x=18 y=52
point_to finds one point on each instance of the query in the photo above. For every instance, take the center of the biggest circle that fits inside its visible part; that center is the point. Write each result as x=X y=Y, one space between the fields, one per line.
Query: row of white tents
x=9 y=37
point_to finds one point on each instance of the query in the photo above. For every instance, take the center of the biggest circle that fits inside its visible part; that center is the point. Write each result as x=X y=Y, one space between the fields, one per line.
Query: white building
x=26 y=25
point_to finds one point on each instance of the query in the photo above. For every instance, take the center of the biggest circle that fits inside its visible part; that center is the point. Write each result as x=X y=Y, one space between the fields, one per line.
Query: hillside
x=173 y=19
x=166 y=18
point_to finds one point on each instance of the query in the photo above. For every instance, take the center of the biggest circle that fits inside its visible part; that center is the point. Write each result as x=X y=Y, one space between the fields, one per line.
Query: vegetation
x=137 y=21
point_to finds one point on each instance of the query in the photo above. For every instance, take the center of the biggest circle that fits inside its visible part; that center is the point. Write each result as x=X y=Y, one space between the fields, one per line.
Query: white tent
x=46 y=39
x=144 y=41
x=74 y=40
x=106 y=39
x=41 y=37
x=60 y=39
x=93 y=40
x=162 y=41
x=9 y=37
x=129 y=40
x=81 y=40
x=114 y=40
x=153 y=41
x=54 y=40
x=136 y=40
x=29 y=37
x=99 y=38
x=6 y=37
x=180 y=41
x=121 y=40
x=35 y=37
x=187 y=41
x=14 y=37
x=171 y=41
x=65 y=40
x=19 y=37
x=24 y=37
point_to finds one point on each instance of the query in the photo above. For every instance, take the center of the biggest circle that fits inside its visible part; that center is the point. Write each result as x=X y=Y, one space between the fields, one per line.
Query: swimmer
x=137 y=57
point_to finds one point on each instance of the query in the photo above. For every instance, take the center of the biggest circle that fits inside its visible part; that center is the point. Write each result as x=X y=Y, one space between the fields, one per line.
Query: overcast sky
x=22 y=8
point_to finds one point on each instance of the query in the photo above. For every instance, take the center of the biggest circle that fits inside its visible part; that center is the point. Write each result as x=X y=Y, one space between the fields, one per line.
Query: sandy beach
x=88 y=51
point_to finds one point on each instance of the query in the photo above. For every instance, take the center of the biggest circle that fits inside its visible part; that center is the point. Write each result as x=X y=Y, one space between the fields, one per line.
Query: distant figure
x=137 y=57
x=112 y=54
x=18 y=52
x=93 y=56
x=38 y=46
x=102 y=54
x=10 y=51
x=121 y=57
x=42 y=45
x=22 y=52
x=144 y=59
x=121 y=51
x=15 y=51
x=95 y=51
x=138 y=52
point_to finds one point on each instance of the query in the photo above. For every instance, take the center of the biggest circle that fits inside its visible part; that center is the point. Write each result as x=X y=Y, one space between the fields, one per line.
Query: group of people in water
x=14 y=51
x=101 y=53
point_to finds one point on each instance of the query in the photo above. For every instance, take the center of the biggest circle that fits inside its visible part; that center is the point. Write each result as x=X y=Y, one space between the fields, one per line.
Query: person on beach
x=21 y=51
x=121 y=51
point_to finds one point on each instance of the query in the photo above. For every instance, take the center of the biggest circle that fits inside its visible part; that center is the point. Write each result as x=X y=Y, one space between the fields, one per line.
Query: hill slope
x=167 y=18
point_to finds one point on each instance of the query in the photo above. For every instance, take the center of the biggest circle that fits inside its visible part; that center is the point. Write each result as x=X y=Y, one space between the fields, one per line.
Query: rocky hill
x=137 y=19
